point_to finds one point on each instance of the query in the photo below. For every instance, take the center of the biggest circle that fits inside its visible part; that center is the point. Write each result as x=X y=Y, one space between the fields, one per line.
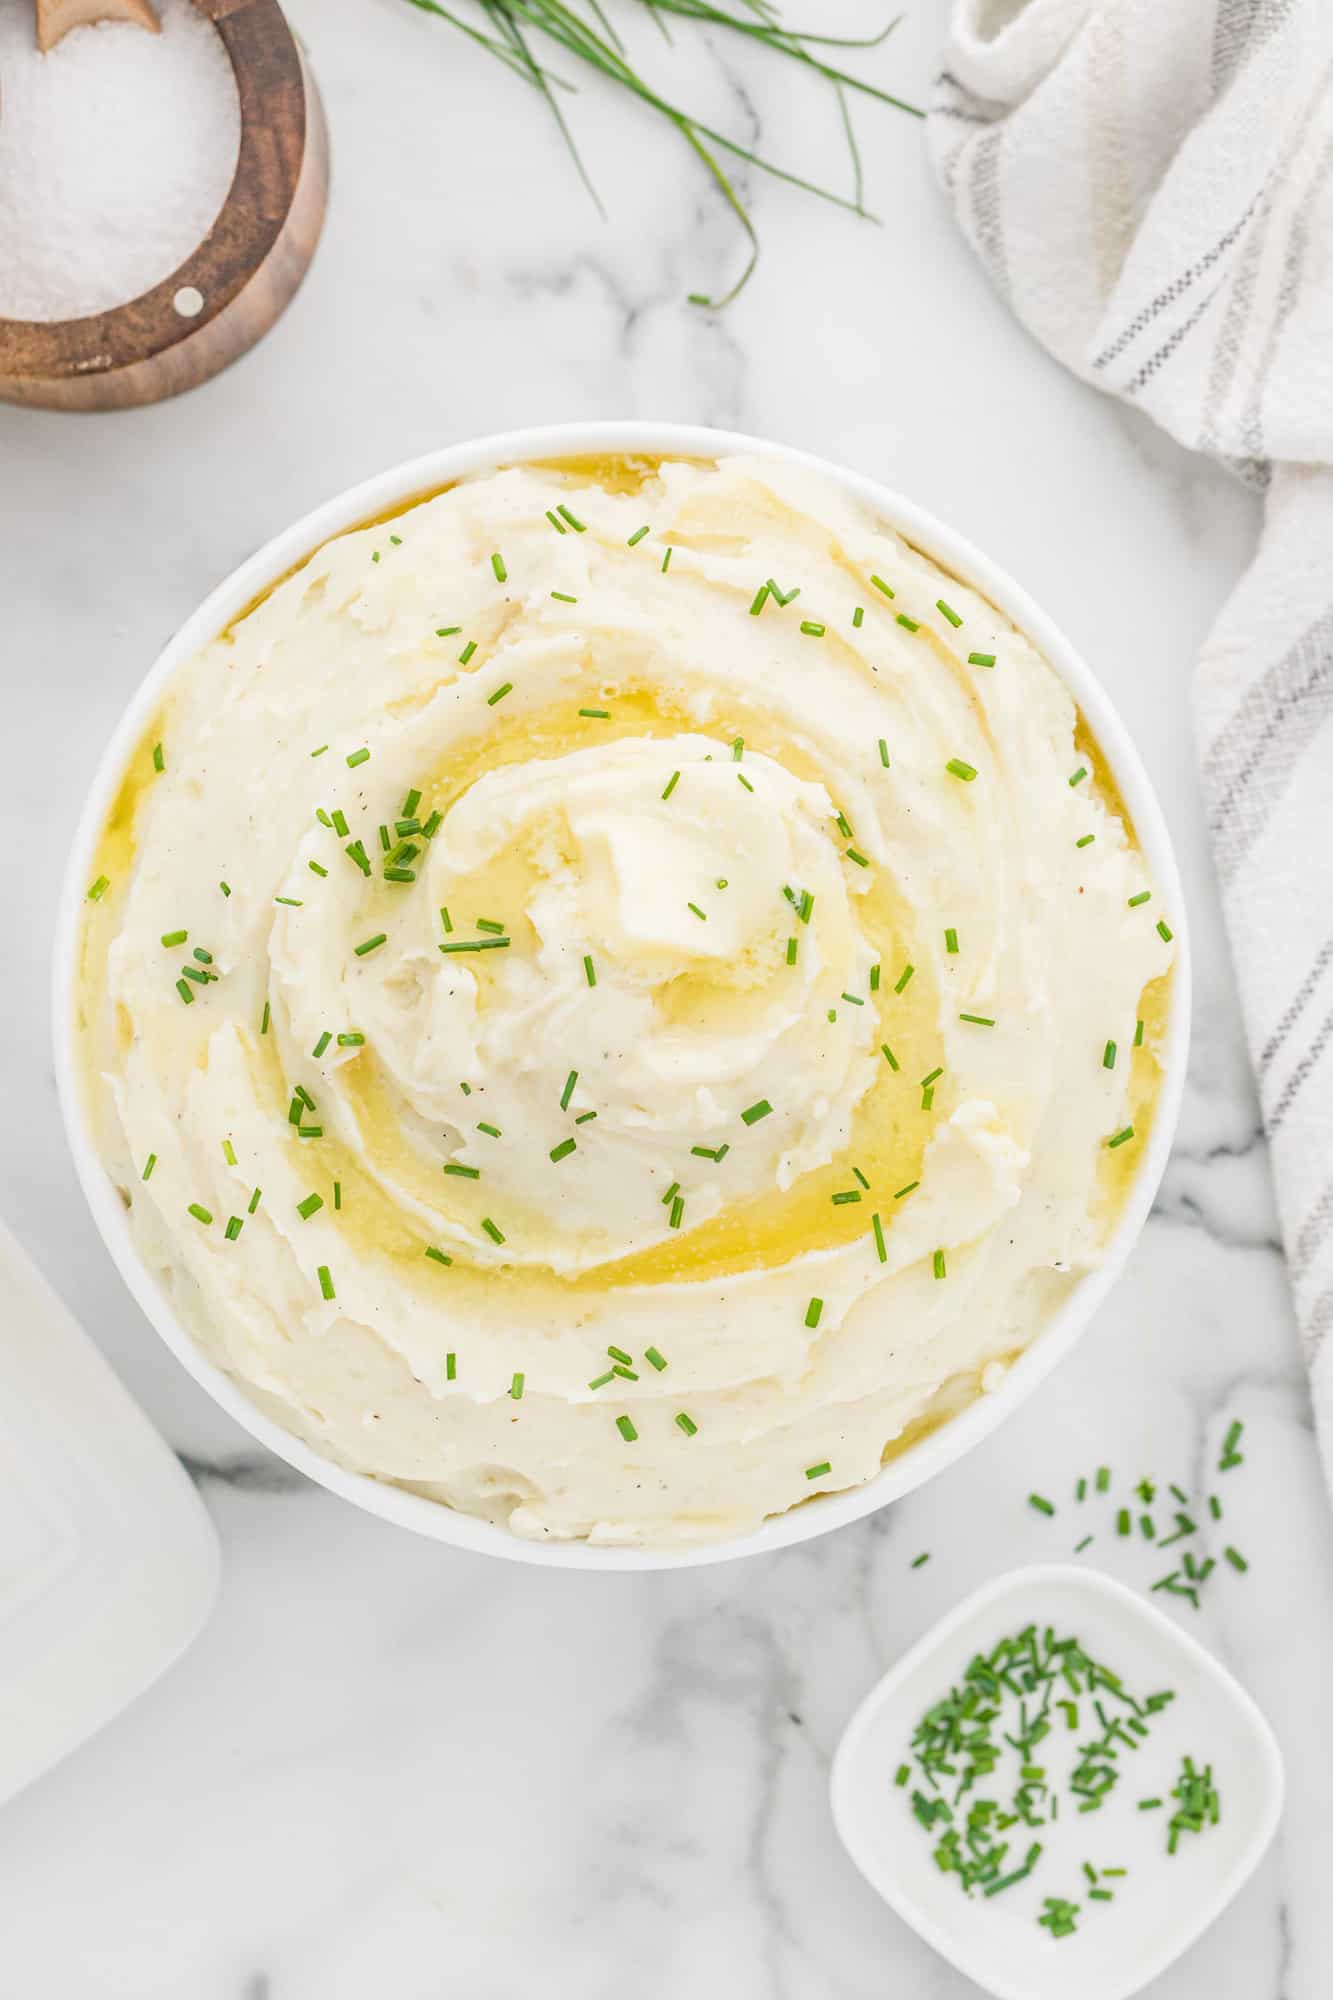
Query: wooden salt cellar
x=229 y=291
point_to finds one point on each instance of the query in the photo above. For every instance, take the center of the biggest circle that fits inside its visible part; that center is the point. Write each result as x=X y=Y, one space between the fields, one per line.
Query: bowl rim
x=414 y=478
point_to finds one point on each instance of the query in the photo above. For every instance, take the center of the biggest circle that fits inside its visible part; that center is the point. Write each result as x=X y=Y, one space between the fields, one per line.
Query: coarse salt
x=116 y=152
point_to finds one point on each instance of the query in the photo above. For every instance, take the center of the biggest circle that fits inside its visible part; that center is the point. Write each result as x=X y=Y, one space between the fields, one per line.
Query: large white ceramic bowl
x=376 y=496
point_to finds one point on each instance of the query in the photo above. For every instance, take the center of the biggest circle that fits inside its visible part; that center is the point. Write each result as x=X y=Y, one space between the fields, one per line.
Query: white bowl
x=1164 y=1903
x=951 y=552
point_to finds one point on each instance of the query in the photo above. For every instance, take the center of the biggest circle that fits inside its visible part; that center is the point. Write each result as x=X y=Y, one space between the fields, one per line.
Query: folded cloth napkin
x=1149 y=184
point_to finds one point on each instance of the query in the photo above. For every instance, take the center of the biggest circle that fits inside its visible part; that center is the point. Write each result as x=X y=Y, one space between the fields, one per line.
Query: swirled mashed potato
x=630 y=982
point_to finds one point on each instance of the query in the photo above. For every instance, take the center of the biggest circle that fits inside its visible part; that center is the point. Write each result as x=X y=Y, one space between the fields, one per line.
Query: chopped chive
x=354 y=1040
x=400 y=874
x=186 y=992
x=700 y=914
x=495 y=1234
x=148 y=1166
x=556 y=522
x=710 y=1152
x=170 y=939
x=467 y=652
x=1086 y=840
x=516 y=1387
x=337 y=1194
x=498 y=565
x=666 y=560
x=947 y=611
x=759 y=600
x=460 y=1172
x=1077 y=777
x=654 y=1358
x=476 y=944
x=489 y=924
x=861 y=860
x=812 y=629
x=596 y=714
x=290 y=902
x=813 y=1312
x=877 y=1231
x=255 y=1199
x=325 y=1282
x=687 y=1424
x=491 y=1131
x=1103 y=1478
x=563 y=1150
x=919 y=1562
x=1236 y=1559
x=600 y=1381
x=499 y=694
x=1164 y=931
x=754 y=1112
x=981 y=659
x=886 y=588
x=159 y=758
x=229 y=1152
x=638 y=535
x=584 y=1117
x=1040 y=1503
x=909 y=624
x=371 y=944
x=437 y=1256
x=1119 y=1138
x=589 y=969
x=887 y=1053
x=563 y=597
x=741 y=779
x=99 y=888
x=626 y=1428
x=874 y=978
x=979 y=1020
x=959 y=769
x=1108 y=1056
x=677 y=1212
x=671 y=784
x=859 y=615
x=448 y=631
x=316 y=868
x=361 y=756
x=903 y=978
x=320 y=752
x=911 y=1188
x=938 y=1265
x=1144 y=896
x=568 y=1091
x=225 y=888
x=791 y=951
x=235 y=1224
x=310 y=1206
x=578 y=526
x=951 y=939
x=1138 y=1034
x=818 y=1471
x=200 y=1213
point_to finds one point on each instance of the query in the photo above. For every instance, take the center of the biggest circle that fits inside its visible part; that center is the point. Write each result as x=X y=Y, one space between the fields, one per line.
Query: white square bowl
x=1165 y=1902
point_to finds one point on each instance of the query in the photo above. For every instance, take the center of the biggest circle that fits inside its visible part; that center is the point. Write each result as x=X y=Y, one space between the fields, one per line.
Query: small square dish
x=1150 y=1904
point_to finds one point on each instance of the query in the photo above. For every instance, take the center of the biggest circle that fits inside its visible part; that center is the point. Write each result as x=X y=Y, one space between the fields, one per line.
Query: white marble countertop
x=389 y=1768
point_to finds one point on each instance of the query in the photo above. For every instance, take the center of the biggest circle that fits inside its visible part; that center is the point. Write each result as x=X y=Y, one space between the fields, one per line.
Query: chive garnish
x=1119 y=1138
x=596 y=714
x=556 y=522
x=200 y=1213
x=371 y=944
x=310 y=1206
x=981 y=659
x=563 y=1150
x=578 y=526
x=633 y=540
x=229 y=1152
x=1144 y=896
x=654 y=1358
x=1086 y=840
x=499 y=695
x=951 y=940
x=159 y=758
x=437 y=1256
x=170 y=939
x=754 y=1112
x=813 y=1312
x=361 y=756
x=255 y=1199
x=1164 y=931
x=476 y=944
x=687 y=1424
x=877 y=1231
x=909 y=624
x=911 y=1188
x=568 y=1091
x=495 y=1234
x=465 y=656
x=903 y=978
x=677 y=1212
x=461 y=1172
x=325 y=1282
x=491 y=1131
x=812 y=629
x=947 y=611
x=1041 y=1503
x=354 y=1040
x=959 y=769
x=516 y=1387
x=700 y=914
x=759 y=600
x=671 y=784
x=887 y=1053
x=818 y=1471
x=498 y=565
x=235 y=1224
x=626 y=1428
x=589 y=969
x=99 y=888
x=186 y=992
x=886 y=588
x=148 y=1166
x=978 y=1020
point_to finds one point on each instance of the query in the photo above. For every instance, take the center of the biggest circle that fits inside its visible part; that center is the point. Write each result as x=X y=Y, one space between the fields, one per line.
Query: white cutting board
x=108 y=1561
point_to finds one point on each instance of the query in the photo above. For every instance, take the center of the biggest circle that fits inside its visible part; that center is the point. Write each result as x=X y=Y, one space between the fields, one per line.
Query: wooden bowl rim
x=271 y=83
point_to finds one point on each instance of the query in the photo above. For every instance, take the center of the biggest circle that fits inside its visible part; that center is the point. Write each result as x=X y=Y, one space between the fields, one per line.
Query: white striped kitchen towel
x=1149 y=184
